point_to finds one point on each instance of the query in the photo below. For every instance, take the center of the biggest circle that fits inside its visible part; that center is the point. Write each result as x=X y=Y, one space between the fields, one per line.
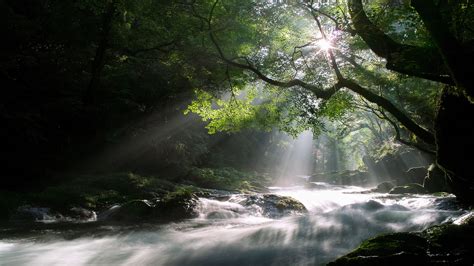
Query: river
x=227 y=233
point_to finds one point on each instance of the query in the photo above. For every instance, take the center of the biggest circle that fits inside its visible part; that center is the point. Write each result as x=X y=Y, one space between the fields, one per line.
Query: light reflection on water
x=227 y=233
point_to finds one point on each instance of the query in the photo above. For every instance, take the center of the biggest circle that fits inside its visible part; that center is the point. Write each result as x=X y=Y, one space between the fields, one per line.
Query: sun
x=324 y=44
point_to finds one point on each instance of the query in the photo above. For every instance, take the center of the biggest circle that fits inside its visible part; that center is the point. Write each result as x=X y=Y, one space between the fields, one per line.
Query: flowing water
x=227 y=233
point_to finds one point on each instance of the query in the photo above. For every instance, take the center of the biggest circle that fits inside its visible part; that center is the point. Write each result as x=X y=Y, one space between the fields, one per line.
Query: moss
x=391 y=244
x=288 y=203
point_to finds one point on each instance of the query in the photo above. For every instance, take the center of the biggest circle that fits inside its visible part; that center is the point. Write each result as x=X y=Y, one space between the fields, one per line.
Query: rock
x=400 y=167
x=346 y=178
x=467 y=219
x=383 y=187
x=79 y=213
x=135 y=210
x=389 y=249
x=416 y=174
x=447 y=244
x=435 y=181
x=33 y=214
x=368 y=206
x=177 y=205
x=410 y=188
x=275 y=206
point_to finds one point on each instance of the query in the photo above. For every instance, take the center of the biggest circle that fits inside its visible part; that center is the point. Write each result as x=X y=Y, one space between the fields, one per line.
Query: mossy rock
x=389 y=249
x=289 y=203
x=408 y=189
x=275 y=206
x=446 y=244
x=383 y=187
x=180 y=204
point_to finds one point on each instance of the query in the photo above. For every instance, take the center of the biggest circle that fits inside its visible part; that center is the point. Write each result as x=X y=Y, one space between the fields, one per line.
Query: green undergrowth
x=228 y=179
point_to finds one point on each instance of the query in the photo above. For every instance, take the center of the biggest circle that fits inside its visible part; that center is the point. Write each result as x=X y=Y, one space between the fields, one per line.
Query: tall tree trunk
x=455 y=142
x=99 y=58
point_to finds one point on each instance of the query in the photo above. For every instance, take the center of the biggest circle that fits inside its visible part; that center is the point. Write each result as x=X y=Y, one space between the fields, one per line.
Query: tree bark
x=454 y=55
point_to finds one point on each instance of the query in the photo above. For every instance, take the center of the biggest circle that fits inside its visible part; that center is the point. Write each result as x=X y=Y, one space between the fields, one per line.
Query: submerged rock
x=408 y=189
x=275 y=206
x=447 y=244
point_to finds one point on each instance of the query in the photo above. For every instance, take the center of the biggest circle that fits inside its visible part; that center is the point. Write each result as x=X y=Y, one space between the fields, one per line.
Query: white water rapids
x=227 y=233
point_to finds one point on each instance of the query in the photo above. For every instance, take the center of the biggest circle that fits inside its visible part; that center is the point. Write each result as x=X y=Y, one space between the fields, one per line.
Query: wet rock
x=79 y=213
x=416 y=175
x=408 y=189
x=177 y=205
x=467 y=219
x=383 y=187
x=435 y=181
x=135 y=210
x=389 y=249
x=370 y=205
x=173 y=206
x=275 y=206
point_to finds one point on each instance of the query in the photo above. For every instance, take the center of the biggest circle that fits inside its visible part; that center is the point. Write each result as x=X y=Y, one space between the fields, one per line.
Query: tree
x=439 y=52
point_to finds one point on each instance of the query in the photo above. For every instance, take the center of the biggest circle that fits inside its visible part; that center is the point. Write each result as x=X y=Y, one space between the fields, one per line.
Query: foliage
x=227 y=179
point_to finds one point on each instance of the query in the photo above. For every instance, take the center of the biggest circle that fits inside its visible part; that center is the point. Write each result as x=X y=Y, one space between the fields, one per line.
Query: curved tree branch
x=420 y=132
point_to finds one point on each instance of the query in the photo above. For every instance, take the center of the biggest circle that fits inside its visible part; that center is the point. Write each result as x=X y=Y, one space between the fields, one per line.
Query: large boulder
x=400 y=167
x=177 y=205
x=416 y=174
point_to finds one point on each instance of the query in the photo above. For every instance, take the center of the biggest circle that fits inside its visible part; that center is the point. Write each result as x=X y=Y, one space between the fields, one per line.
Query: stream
x=339 y=218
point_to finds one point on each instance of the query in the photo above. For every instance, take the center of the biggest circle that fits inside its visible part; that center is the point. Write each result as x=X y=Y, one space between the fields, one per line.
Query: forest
x=237 y=132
